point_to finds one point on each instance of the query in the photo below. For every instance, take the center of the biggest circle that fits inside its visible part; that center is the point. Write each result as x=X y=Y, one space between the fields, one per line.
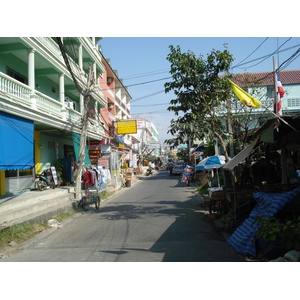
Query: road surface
x=158 y=219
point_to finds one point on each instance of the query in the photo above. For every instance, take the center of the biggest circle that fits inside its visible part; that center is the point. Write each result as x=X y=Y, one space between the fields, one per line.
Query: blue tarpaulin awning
x=16 y=142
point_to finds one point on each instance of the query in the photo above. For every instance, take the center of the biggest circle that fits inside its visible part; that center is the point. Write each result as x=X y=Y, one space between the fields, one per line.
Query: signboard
x=153 y=145
x=54 y=175
x=126 y=127
x=94 y=145
x=103 y=161
x=141 y=123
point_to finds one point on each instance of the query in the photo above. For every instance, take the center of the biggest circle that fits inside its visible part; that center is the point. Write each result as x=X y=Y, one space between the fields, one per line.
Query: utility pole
x=229 y=125
x=85 y=90
x=83 y=136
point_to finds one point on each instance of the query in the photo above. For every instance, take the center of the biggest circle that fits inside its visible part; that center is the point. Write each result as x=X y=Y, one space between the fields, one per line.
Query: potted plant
x=59 y=167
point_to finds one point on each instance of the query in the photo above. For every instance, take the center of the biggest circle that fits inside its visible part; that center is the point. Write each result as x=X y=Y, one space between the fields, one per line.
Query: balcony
x=47 y=47
x=19 y=99
x=122 y=105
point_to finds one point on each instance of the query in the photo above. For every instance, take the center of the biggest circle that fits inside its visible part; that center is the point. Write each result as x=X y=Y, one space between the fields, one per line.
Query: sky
x=141 y=63
x=136 y=38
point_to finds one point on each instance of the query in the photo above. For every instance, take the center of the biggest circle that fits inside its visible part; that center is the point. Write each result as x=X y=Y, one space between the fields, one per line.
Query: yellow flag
x=244 y=97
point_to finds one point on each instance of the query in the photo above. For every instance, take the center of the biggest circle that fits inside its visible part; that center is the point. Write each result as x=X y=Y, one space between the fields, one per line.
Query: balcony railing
x=237 y=107
x=48 y=105
x=110 y=92
x=13 y=88
x=23 y=97
x=122 y=105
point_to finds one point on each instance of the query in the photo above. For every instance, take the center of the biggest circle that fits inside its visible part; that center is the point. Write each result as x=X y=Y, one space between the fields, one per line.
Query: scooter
x=44 y=180
x=187 y=178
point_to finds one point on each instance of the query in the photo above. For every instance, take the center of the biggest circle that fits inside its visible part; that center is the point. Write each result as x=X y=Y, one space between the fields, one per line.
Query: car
x=177 y=170
x=182 y=163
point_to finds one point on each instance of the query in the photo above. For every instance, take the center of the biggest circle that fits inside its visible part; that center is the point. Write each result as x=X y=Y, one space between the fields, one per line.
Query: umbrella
x=211 y=162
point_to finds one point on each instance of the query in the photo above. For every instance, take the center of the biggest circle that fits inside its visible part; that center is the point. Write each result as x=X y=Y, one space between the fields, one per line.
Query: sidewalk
x=37 y=206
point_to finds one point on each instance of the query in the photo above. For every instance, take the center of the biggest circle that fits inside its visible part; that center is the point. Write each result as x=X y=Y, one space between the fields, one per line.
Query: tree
x=199 y=91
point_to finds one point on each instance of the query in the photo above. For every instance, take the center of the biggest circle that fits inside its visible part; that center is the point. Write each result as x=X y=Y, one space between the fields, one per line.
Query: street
x=158 y=219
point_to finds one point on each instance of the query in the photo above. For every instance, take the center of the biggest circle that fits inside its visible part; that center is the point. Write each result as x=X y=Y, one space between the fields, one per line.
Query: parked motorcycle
x=44 y=180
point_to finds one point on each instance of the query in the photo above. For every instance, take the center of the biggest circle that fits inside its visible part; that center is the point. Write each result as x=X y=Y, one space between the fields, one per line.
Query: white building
x=148 y=139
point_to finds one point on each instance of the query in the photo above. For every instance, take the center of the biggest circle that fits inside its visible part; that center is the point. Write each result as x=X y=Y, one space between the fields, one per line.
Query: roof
x=266 y=78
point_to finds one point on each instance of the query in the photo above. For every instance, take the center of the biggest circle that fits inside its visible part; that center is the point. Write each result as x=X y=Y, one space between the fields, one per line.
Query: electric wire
x=150 y=112
x=255 y=49
x=145 y=105
x=281 y=67
x=146 y=74
x=147 y=96
x=146 y=82
x=288 y=61
x=275 y=52
x=264 y=57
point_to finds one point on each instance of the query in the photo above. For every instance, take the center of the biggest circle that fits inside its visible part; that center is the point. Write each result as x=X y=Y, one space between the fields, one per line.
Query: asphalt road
x=158 y=219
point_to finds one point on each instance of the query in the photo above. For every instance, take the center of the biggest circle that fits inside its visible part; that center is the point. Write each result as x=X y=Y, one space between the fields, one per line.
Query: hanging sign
x=126 y=127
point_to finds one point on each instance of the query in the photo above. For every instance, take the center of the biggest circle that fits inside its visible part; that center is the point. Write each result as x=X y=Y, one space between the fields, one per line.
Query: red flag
x=279 y=95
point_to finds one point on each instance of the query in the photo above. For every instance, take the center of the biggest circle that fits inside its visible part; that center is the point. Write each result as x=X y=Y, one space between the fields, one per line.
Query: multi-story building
x=41 y=108
x=115 y=148
x=148 y=140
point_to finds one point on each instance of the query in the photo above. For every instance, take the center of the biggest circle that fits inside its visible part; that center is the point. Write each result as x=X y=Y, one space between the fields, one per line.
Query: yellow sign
x=126 y=127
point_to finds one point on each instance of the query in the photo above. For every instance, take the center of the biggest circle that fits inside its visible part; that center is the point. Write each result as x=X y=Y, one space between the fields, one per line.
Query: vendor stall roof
x=264 y=134
x=240 y=156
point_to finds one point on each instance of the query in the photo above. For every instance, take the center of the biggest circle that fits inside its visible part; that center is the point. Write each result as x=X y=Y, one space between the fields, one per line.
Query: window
x=12 y=73
x=19 y=173
x=270 y=91
x=295 y=102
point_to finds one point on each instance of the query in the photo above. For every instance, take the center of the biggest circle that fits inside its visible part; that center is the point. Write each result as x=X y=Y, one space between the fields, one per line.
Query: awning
x=76 y=142
x=240 y=156
x=199 y=149
x=17 y=142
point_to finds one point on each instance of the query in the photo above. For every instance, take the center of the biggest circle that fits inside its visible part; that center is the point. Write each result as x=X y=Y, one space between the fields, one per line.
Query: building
x=41 y=107
x=261 y=86
x=115 y=148
x=148 y=140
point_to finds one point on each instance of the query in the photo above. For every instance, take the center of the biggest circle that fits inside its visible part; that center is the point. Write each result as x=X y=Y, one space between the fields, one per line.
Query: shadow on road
x=192 y=237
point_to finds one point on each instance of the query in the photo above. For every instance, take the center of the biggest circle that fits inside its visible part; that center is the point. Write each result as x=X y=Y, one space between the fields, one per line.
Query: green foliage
x=20 y=233
x=199 y=90
x=286 y=234
x=59 y=167
x=202 y=189
x=182 y=154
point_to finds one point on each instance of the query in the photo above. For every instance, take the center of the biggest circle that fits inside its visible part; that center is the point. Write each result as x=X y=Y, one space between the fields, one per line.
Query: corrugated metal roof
x=266 y=78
